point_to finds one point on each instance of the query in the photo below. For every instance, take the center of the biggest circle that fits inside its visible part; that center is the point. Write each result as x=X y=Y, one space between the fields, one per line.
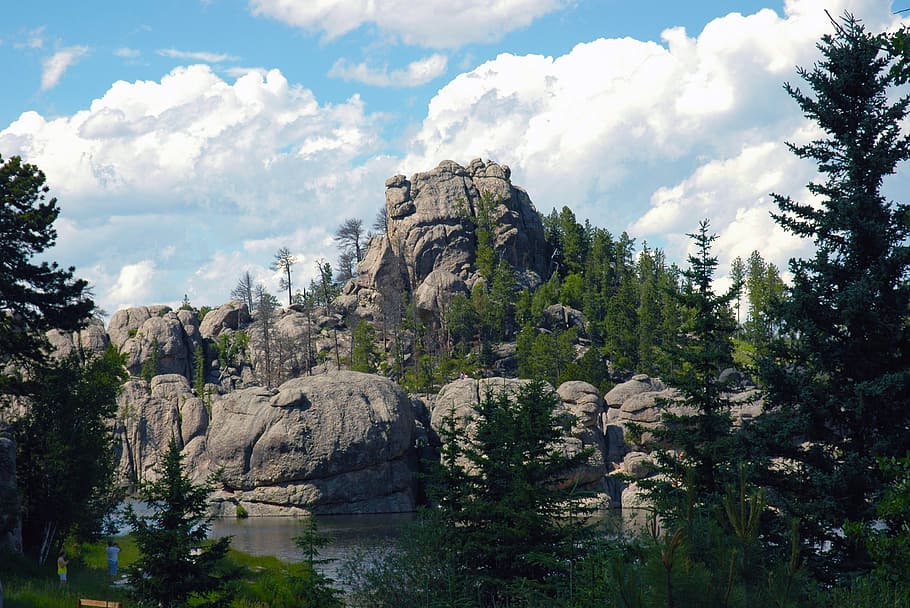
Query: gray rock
x=638 y=465
x=125 y=324
x=92 y=339
x=431 y=229
x=438 y=289
x=561 y=317
x=174 y=349
x=232 y=315
x=336 y=443
x=147 y=419
x=640 y=383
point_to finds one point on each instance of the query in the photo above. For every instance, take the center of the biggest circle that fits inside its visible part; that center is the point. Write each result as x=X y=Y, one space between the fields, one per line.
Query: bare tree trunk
x=50 y=531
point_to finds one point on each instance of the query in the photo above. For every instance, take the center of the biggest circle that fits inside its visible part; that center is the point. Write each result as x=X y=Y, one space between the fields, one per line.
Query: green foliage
x=701 y=439
x=484 y=225
x=284 y=261
x=501 y=512
x=150 y=365
x=176 y=563
x=203 y=310
x=230 y=347
x=199 y=371
x=888 y=540
x=34 y=297
x=546 y=355
x=839 y=376
x=364 y=357
x=65 y=464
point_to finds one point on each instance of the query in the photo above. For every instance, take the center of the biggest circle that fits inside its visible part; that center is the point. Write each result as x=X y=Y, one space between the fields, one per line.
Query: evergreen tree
x=243 y=291
x=839 y=382
x=65 y=466
x=503 y=509
x=621 y=307
x=702 y=437
x=738 y=276
x=176 y=564
x=364 y=357
x=34 y=298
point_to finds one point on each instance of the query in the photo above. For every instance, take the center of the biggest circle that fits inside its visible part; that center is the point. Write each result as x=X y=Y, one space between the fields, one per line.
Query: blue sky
x=188 y=140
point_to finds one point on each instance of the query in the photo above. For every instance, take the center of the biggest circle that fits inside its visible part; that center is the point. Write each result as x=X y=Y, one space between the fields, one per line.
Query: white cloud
x=416 y=73
x=133 y=285
x=428 y=23
x=168 y=171
x=237 y=72
x=127 y=53
x=642 y=135
x=203 y=56
x=55 y=65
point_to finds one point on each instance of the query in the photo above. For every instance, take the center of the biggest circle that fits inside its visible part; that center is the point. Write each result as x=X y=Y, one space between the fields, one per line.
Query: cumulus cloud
x=54 y=66
x=132 y=287
x=165 y=171
x=197 y=55
x=647 y=136
x=416 y=73
x=428 y=23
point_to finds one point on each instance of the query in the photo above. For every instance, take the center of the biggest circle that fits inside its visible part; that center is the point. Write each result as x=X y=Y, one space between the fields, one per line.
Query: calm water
x=346 y=534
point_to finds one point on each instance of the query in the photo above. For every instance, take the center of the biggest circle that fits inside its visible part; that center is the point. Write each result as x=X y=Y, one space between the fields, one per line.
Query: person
x=61 y=567
x=113 y=552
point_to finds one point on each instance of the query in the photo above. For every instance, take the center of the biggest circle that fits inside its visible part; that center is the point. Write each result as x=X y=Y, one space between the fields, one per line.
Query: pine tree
x=702 y=437
x=839 y=382
x=176 y=563
x=33 y=297
x=503 y=510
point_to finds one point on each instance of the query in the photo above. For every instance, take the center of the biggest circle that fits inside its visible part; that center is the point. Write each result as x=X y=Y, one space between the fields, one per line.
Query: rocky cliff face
x=430 y=245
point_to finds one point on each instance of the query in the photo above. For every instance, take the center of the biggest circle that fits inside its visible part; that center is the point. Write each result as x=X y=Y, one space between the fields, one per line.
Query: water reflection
x=346 y=534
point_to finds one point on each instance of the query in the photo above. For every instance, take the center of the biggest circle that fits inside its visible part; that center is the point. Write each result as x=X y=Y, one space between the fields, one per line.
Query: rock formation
x=430 y=245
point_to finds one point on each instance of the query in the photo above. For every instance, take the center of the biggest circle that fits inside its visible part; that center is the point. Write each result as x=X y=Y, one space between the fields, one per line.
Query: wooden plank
x=83 y=603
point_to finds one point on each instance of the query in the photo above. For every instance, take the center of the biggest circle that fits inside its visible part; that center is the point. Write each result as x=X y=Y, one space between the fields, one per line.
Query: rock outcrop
x=431 y=241
x=580 y=404
x=334 y=443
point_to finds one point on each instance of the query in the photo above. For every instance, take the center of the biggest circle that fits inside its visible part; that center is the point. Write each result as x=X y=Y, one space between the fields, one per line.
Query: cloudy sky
x=188 y=140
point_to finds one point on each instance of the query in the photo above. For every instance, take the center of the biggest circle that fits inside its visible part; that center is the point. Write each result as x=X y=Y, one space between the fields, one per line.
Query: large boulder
x=580 y=407
x=92 y=339
x=335 y=443
x=232 y=315
x=163 y=333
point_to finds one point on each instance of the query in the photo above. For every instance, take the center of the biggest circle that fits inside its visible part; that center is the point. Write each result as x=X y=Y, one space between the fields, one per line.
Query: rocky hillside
x=264 y=401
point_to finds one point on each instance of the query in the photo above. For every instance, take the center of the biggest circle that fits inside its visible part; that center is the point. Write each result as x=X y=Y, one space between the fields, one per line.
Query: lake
x=346 y=534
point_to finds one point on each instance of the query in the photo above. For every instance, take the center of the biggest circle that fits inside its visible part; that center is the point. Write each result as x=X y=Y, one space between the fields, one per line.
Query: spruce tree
x=838 y=384
x=176 y=563
x=502 y=506
x=701 y=434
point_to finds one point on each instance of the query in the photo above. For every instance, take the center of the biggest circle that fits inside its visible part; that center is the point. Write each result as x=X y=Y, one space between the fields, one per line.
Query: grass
x=27 y=585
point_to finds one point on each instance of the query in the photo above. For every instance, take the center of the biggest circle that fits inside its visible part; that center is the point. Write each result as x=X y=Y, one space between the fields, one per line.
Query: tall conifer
x=838 y=383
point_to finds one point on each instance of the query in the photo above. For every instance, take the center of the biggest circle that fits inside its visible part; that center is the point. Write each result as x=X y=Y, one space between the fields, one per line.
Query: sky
x=188 y=140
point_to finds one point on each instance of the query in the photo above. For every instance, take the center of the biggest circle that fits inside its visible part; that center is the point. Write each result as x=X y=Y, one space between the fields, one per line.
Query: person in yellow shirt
x=62 y=562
